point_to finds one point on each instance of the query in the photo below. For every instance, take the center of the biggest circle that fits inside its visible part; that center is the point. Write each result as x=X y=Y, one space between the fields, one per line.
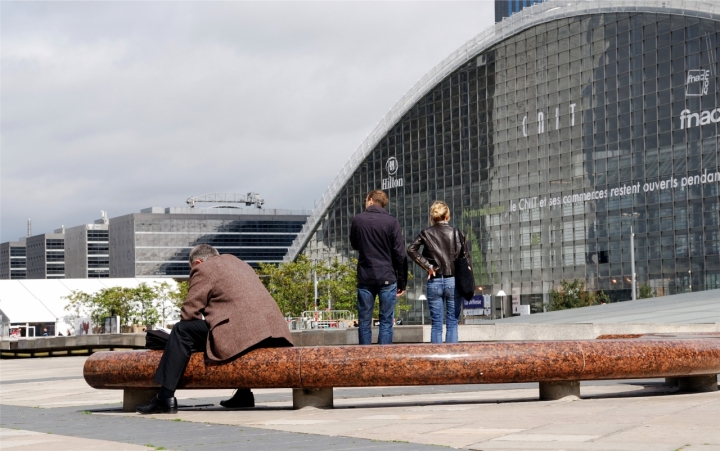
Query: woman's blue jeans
x=443 y=298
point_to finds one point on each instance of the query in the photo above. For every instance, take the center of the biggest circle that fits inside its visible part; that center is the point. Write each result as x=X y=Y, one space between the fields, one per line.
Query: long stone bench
x=312 y=372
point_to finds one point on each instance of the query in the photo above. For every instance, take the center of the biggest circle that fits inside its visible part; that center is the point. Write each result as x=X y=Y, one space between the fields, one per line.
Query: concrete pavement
x=41 y=396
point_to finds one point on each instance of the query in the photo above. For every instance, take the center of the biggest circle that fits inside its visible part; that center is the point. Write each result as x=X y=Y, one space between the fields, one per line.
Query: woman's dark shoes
x=241 y=398
x=157 y=405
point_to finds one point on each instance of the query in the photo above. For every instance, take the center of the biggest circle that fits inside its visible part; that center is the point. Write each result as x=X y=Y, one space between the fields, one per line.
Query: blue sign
x=477 y=301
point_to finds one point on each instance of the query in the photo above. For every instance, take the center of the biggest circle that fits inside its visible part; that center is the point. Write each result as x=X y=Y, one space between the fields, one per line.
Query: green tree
x=338 y=282
x=646 y=291
x=180 y=294
x=78 y=302
x=109 y=301
x=572 y=294
x=602 y=298
x=144 y=304
x=290 y=284
x=144 y=299
x=166 y=299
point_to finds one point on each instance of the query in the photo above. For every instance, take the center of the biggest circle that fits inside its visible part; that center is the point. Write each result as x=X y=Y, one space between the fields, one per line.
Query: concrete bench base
x=694 y=384
x=321 y=398
x=552 y=391
x=133 y=397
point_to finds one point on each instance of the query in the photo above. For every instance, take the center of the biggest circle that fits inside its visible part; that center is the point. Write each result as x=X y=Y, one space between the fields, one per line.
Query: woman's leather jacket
x=442 y=244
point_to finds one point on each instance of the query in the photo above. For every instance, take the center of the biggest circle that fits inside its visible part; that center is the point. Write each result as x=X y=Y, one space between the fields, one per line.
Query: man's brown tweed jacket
x=239 y=311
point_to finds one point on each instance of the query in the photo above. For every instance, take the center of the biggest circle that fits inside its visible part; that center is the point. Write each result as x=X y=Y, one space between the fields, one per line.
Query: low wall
x=86 y=344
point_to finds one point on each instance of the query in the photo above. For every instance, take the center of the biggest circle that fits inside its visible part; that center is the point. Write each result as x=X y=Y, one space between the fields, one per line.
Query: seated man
x=238 y=312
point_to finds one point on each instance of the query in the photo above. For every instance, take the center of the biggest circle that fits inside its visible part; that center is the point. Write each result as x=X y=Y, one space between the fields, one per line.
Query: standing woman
x=442 y=244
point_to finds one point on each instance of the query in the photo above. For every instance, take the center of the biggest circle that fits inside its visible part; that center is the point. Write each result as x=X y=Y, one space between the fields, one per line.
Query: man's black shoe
x=157 y=405
x=241 y=398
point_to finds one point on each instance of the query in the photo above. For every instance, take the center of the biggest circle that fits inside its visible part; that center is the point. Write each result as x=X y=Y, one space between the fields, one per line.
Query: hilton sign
x=392 y=167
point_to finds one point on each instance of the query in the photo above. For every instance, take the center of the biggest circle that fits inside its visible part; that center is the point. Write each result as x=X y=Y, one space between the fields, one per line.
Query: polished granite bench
x=693 y=362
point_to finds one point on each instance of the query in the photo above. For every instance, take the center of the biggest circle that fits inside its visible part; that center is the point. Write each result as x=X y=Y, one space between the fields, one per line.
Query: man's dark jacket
x=377 y=238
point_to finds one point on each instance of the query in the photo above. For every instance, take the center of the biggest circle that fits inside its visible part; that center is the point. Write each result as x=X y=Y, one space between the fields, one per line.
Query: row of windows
x=183 y=240
x=200 y=226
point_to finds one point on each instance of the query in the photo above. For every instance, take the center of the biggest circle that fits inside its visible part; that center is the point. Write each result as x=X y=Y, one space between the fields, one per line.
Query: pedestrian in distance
x=227 y=312
x=382 y=266
x=441 y=245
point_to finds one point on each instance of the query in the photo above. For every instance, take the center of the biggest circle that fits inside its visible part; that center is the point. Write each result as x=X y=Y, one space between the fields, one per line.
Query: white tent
x=43 y=300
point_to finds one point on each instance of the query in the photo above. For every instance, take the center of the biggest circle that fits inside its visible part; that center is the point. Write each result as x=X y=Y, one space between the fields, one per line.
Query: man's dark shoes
x=241 y=398
x=157 y=405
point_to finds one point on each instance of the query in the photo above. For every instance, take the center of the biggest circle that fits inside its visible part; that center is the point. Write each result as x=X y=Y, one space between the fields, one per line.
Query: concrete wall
x=76 y=252
x=122 y=246
x=402 y=334
x=36 y=257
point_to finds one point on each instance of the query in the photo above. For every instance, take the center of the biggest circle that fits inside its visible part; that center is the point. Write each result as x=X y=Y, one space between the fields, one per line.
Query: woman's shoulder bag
x=464 y=279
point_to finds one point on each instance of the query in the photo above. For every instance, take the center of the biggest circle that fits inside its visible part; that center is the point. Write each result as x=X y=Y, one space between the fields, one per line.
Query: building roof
x=43 y=300
x=531 y=16
x=702 y=307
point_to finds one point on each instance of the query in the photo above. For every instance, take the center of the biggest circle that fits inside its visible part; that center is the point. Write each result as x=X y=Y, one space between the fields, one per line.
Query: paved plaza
x=46 y=403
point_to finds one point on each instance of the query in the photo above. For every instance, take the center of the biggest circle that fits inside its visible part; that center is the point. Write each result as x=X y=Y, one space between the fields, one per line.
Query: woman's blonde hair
x=439 y=211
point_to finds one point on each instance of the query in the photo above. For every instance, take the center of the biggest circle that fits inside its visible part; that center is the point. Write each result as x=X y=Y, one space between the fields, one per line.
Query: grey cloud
x=123 y=105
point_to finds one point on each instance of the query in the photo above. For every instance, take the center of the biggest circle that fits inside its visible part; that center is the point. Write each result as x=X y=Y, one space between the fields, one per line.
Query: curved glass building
x=540 y=134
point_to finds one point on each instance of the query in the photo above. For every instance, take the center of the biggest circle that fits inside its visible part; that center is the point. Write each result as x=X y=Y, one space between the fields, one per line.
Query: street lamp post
x=501 y=295
x=315 y=299
x=422 y=300
x=632 y=215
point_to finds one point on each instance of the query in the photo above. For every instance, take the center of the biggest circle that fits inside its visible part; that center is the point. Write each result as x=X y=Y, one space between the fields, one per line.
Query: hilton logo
x=392 y=167
x=697 y=83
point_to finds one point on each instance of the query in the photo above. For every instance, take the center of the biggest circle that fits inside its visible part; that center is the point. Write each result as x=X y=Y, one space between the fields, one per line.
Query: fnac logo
x=697 y=83
x=392 y=165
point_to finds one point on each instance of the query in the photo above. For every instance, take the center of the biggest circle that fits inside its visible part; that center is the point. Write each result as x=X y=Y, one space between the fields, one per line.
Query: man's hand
x=400 y=293
x=431 y=273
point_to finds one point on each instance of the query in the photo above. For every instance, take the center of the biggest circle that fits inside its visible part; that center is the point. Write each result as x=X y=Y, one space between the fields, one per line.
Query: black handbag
x=156 y=339
x=464 y=279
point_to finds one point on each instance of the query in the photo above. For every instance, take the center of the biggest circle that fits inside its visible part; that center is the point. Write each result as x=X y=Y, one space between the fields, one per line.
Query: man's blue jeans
x=442 y=296
x=366 y=301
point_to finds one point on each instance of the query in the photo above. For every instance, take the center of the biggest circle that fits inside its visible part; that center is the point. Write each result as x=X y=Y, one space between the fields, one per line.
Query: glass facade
x=163 y=247
x=151 y=245
x=541 y=142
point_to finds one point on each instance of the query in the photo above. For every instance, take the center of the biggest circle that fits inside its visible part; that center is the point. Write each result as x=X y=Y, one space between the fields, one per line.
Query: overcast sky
x=119 y=106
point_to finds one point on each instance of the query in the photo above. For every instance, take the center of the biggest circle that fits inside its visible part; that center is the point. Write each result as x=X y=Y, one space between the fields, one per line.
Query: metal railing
x=321 y=319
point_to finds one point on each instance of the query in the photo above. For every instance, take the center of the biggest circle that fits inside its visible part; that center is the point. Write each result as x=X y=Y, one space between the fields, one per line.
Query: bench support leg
x=698 y=384
x=321 y=398
x=133 y=397
x=552 y=391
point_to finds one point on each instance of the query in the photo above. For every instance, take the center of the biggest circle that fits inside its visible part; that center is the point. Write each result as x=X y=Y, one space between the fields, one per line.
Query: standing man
x=382 y=265
x=227 y=311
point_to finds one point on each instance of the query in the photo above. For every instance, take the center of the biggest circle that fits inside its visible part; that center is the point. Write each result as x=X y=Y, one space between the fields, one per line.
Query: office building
x=12 y=260
x=87 y=251
x=157 y=241
x=540 y=134
x=46 y=255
